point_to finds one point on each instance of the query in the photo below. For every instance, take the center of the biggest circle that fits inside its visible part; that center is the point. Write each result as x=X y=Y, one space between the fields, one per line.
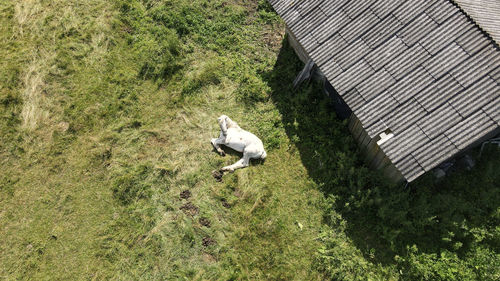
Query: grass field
x=106 y=112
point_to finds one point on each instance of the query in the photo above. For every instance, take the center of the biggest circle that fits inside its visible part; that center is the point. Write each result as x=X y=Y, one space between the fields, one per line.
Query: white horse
x=233 y=136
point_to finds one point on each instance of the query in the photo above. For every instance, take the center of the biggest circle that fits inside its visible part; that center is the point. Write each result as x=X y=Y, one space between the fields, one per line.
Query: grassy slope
x=107 y=109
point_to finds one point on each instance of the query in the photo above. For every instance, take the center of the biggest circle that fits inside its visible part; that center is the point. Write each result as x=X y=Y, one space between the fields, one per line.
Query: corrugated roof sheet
x=486 y=13
x=421 y=68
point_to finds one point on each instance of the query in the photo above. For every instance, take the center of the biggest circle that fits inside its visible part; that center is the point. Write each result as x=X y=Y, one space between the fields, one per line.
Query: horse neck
x=231 y=124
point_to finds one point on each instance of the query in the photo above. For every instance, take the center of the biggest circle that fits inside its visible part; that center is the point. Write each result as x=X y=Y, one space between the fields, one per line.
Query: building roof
x=486 y=13
x=421 y=68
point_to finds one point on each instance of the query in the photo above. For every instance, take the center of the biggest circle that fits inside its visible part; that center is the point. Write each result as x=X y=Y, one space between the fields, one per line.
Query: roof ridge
x=471 y=19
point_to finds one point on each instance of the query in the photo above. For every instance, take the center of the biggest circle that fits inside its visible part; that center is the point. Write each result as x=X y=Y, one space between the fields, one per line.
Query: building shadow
x=383 y=219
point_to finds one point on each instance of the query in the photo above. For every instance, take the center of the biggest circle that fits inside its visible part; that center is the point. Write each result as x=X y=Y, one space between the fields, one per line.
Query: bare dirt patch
x=225 y=203
x=204 y=221
x=207 y=241
x=217 y=174
x=190 y=209
x=185 y=194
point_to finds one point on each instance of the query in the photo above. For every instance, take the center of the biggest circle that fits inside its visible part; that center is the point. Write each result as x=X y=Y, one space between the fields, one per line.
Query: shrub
x=157 y=53
x=156 y=46
x=210 y=73
x=132 y=185
x=252 y=89
x=422 y=266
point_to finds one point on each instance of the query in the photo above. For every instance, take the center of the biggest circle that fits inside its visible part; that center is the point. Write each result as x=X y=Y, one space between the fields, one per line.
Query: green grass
x=107 y=109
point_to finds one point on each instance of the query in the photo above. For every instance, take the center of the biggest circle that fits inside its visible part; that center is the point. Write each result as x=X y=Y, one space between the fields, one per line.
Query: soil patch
x=217 y=174
x=185 y=194
x=207 y=241
x=204 y=222
x=190 y=209
x=225 y=204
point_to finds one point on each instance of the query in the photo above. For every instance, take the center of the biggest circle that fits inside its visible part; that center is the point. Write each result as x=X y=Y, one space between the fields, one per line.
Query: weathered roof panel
x=404 y=143
x=346 y=58
x=311 y=22
x=376 y=84
x=383 y=30
x=358 y=26
x=471 y=70
x=446 y=33
x=441 y=63
x=493 y=110
x=355 y=8
x=351 y=77
x=434 y=124
x=410 y=167
x=442 y=148
x=353 y=97
x=326 y=51
x=471 y=129
x=438 y=93
x=331 y=26
x=411 y=84
x=486 y=13
x=418 y=28
x=407 y=61
x=441 y=11
x=383 y=8
x=475 y=97
x=309 y=43
x=495 y=74
x=375 y=109
x=420 y=68
x=386 y=52
x=398 y=121
x=332 y=6
x=472 y=41
x=411 y=9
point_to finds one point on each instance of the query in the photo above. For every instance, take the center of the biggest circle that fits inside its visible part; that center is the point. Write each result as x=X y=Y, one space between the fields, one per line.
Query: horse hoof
x=223 y=154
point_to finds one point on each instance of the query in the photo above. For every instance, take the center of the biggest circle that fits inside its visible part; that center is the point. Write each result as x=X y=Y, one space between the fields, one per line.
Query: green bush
x=445 y=266
x=252 y=89
x=132 y=184
x=210 y=73
x=178 y=15
x=157 y=53
x=156 y=46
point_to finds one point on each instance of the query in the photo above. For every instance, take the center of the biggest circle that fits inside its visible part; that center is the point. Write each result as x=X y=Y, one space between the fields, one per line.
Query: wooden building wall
x=374 y=156
x=299 y=50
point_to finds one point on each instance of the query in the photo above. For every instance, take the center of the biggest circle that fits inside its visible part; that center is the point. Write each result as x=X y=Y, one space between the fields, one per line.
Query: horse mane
x=231 y=124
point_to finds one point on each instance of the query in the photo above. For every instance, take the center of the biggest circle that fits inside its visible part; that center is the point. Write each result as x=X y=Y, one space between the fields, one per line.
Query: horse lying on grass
x=231 y=135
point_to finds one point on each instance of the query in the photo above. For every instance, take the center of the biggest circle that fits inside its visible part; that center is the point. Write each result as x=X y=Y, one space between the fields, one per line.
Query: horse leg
x=223 y=125
x=242 y=163
x=217 y=142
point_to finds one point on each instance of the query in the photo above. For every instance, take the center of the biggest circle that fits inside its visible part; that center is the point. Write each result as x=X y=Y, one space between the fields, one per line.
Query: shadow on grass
x=457 y=214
